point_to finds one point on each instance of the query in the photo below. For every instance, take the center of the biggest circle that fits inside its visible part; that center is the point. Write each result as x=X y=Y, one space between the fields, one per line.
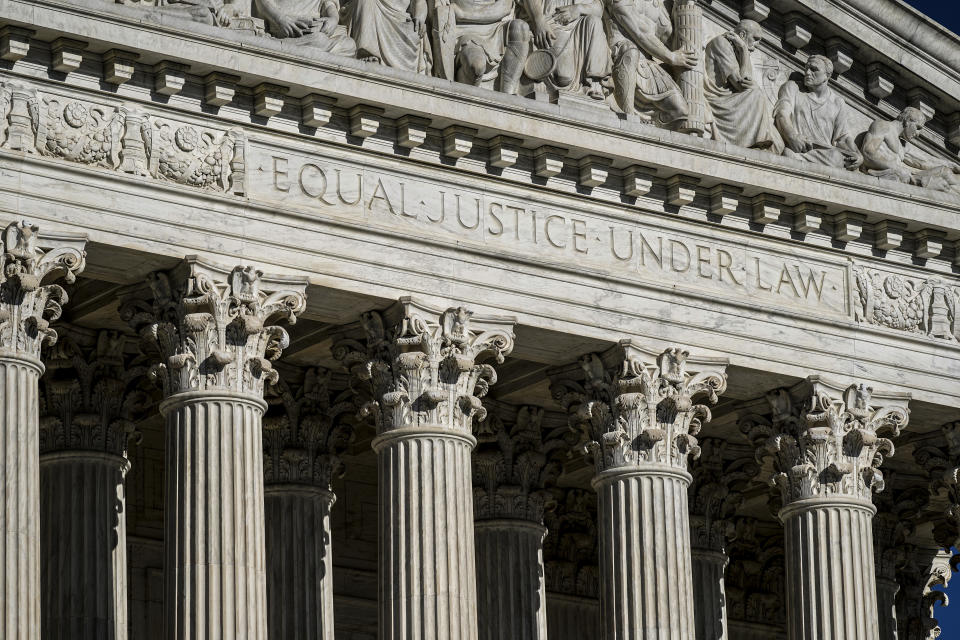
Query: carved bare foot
x=371 y=59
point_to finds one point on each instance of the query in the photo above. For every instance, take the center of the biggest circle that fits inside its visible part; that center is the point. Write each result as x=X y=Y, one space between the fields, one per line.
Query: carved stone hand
x=683 y=59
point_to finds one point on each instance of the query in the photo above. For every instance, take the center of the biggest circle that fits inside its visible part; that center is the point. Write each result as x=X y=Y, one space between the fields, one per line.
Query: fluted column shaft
x=428 y=587
x=709 y=594
x=887 y=606
x=299 y=562
x=510 y=575
x=646 y=590
x=20 y=491
x=84 y=543
x=214 y=570
x=831 y=583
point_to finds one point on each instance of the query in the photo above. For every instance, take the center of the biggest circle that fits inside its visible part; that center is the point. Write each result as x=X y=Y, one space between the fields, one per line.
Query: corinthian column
x=512 y=469
x=639 y=418
x=714 y=500
x=28 y=303
x=426 y=382
x=90 y=399
x=214 y=333
x=826 y=451
x=302 y=449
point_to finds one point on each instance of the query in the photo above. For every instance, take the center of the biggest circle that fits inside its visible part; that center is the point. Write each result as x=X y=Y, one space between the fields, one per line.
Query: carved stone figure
x=813 y=120
x=390 y=32
x=638 y=31
x=572 y=32
x=886 y=154
x=741 y=111
x=480 y=43
x=315 y=23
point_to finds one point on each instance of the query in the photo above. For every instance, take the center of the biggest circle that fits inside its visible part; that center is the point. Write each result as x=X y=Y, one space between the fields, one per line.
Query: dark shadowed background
x=947 y=13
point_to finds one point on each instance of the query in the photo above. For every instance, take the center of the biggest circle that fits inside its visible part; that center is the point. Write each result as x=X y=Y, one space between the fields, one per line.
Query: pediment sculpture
x=660 y=61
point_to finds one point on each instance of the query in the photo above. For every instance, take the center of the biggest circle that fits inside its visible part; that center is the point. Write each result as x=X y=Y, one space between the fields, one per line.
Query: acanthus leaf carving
x=634 y=408
x=90 y=396
x=570 y=548
x=516 y=463
x=825 y=441
x=27 y=305
x=715 y=494
x=213 y=329
x=304 y=441
x=420 y=367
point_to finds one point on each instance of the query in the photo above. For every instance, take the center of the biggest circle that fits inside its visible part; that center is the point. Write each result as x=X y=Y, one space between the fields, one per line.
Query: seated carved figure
x=638 y=31
x=310 y=22
x=741 y=111
x=813 y=120
x=390 y=32
x=572 y=31
x=886 y=154
x=480 y=42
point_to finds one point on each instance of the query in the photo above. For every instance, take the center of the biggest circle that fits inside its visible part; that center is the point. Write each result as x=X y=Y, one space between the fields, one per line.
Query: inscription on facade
x=560 y=235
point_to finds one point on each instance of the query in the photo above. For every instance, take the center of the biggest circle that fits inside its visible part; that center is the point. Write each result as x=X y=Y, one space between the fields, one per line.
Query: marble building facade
x=478 y=320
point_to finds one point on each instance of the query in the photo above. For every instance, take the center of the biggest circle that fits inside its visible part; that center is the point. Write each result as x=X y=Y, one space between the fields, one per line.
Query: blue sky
x=945 y=12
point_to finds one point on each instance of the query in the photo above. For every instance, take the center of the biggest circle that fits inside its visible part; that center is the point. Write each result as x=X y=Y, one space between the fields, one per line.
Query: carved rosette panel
x=825 y=441
x=215 y=329
x=515 y=464
x=570 y=548
x=89 y=397
x=926 y=306
x=122 y=138
x=304 y=442
x=715 y=494
x=637 y=409
x=424 y=368
x=27 y=305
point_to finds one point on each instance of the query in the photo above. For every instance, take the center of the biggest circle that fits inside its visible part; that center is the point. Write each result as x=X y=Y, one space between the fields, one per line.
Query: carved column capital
x=303 y=442
x=715 y=494
x=89 y=395
x=638 y=408
x=424 y=368
x=924 y=569
x=826 y=441
x=570 y=549
x=214 y=328
x=516 y=463
x=29 y=301
x=755 y=576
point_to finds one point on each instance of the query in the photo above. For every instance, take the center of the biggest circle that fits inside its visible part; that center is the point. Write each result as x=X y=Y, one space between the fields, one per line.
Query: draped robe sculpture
x=391 y=32
x=813 y=120
x=573 y=32
x=742 y=114
x=314 y=23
